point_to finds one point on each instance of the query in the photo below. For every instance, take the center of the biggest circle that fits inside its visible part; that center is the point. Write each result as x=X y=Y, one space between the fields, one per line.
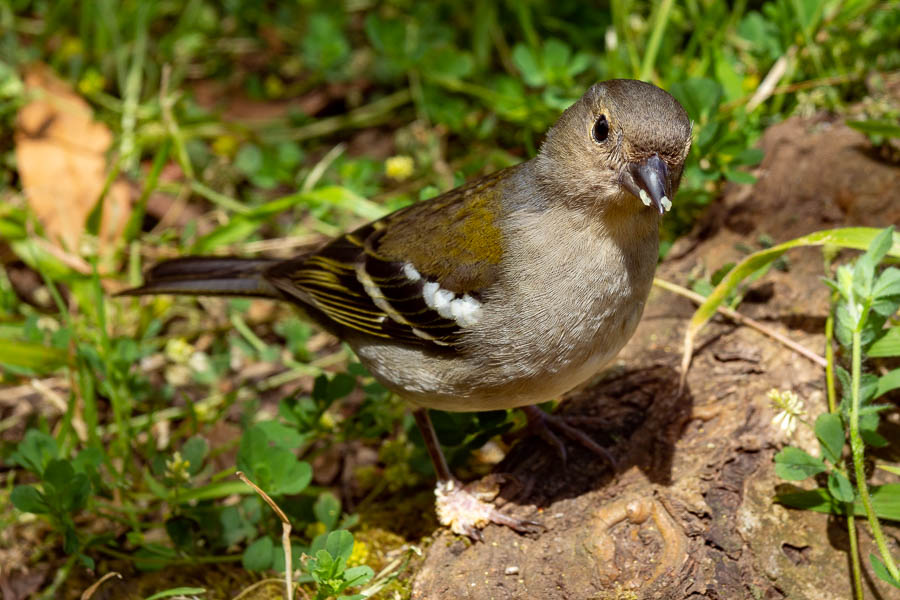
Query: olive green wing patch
x=453 y=239
x=414 y=276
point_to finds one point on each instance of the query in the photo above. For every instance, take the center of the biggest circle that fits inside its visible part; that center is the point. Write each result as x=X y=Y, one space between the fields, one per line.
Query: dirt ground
x=688 y=513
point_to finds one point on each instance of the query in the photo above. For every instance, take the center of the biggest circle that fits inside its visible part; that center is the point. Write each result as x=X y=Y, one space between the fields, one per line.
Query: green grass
x=125 y=450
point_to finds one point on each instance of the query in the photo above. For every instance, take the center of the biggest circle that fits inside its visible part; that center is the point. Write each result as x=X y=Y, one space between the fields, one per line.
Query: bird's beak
x=649 y=181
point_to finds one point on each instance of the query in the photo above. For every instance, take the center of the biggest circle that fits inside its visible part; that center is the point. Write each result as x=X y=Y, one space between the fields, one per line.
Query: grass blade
x=857 y=238
x=29 y=355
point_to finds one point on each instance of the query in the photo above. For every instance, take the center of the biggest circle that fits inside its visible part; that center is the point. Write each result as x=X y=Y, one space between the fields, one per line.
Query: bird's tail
x=209 y=276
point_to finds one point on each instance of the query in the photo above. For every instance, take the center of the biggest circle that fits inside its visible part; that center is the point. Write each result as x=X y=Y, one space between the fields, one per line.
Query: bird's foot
x=466 y=512
x=543 y=423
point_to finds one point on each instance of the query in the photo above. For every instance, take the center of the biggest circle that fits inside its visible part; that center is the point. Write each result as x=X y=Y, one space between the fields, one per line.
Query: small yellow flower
x=91 y=82
x=360 y=554
x=225 y=145
x=178 y=468
x=399 y=167
x=71 y=48
x=790 y=409
x=178 y=350
x=273 y=86
x=315 y=529
x=327 y=421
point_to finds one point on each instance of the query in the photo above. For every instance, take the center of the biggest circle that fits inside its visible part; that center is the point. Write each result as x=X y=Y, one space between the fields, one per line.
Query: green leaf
x=325 y=47
x=249 y=159
x=888 y=283
x=885 y=501
x=258 y=555
x=830 y=432
x=281 y=435
x=58 y=473
x=882 y=571
x=274 y=469
x=844 y=324
x=327 y=510
x=290 y=474
x=886 y=345
x=71 y=543
x=794 y=464
x=739 y=176
x=763 y=34
x=864 y=269
x=194 y=451
x=27 y=498
x=868 y=386
x=447 y=61
x=868 y=428
x=888 y=382
x=726 y=74
x=388 y=37
x=840 y=487
x=699 y=96
x=750 y=156
x=35 y=451
x=340 y=386
x=886 y=128
x=556 y=55
x=579 y=63
x=358 y=575
x=528 y=66
x=339 y=544
x=69 y=490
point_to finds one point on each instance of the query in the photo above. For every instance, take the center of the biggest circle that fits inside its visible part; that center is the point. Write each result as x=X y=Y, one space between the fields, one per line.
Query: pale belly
x=458 y=384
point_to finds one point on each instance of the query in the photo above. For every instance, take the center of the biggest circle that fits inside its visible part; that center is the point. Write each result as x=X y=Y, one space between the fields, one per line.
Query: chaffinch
x=505 y=292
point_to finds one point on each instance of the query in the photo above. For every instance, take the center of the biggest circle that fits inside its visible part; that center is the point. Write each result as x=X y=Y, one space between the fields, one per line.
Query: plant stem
x=855 y=567
x=829 y=361
x=132 y=91
x=659 y=27
x=858 y=452
x=854 y=552
x=375 y=113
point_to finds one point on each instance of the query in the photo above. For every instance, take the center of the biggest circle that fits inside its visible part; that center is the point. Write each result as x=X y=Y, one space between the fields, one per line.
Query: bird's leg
x=464 y=512
x=542 y=423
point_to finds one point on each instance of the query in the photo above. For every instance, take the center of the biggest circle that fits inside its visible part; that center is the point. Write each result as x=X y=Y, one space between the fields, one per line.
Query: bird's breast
x=565 y=307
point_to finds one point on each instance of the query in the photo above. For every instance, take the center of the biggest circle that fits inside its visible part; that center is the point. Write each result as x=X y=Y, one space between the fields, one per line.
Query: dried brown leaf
x=61 y=156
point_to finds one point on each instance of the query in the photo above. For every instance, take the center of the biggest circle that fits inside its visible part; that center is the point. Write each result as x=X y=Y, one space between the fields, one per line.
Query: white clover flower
x=790 y=410
x=199 y=362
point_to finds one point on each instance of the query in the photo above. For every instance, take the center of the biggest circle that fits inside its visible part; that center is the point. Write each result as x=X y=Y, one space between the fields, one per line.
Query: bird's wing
x=415 y=276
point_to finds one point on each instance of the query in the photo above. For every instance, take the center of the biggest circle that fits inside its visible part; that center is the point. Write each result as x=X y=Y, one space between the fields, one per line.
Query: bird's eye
x=601 y=130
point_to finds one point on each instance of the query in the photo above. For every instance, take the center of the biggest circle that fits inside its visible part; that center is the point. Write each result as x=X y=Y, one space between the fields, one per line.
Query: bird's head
x=624 y=141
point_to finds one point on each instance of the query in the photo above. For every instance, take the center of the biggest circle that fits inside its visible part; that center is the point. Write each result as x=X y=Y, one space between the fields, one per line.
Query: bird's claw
x=466 y=513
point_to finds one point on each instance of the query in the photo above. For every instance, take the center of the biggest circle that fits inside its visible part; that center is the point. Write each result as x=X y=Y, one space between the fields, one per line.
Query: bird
x=505 y=292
